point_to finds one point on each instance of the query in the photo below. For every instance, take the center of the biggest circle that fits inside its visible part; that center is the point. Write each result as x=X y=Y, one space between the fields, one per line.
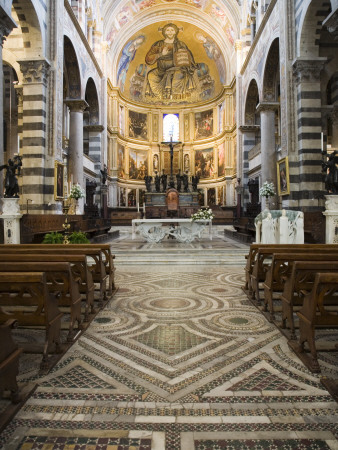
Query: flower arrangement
x=267 y=190
x=202 y=214
x=76 y=192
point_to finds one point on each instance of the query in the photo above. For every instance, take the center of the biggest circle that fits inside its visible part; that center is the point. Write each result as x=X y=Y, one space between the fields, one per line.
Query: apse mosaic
x=204 y=163
x=204 y=124
x=138 y=164
x=171 y=63
x=138 y=125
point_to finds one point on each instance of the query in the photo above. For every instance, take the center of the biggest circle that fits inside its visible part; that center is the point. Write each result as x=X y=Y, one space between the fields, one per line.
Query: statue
x=104 y=174
x=178 y=181
x=164 y=181
x=11 y=181
x=330 y=168
x=185 y=180
x=147 y=180
x=194 y=181
x=157 y=183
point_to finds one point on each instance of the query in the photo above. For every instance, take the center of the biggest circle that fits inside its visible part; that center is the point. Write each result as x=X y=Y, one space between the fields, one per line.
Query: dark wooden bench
x=264 y=258
x=60 y=280
x=93 y=253
x=281 y=267
x=252 y=257
x=315 y=313
x=9 y=361
x=25 y=297
x=79 y=267
x=299 y=283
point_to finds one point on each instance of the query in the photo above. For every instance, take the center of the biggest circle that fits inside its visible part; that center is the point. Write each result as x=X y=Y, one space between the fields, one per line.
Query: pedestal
x=11 y=217
x=331 y=214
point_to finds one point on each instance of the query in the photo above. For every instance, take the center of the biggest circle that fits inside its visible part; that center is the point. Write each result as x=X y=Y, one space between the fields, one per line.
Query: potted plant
x=53 y=238
x=267 y=190
x=76 y=192
x=202 y=214
x=78 y=237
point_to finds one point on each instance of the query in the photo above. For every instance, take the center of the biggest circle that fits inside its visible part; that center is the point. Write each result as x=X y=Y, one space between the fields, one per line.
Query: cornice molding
x=83 y=38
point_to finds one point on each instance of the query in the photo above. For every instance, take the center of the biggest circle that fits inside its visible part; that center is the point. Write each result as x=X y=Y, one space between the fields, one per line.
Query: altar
x=183 y=230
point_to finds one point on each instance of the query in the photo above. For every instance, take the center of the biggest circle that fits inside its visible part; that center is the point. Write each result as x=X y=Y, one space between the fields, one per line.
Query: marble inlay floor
x=178 y=359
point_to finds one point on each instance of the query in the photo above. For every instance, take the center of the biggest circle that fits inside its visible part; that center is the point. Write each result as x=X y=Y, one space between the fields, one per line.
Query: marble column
x=6 y=26
x=76 y=107
x=268 y=144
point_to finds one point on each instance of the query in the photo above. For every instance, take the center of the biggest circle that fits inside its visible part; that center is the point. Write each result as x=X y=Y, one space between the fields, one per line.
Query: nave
x=178 y=359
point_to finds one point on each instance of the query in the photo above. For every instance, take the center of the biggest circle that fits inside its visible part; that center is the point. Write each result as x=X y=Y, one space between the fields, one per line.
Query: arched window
x=171 y=127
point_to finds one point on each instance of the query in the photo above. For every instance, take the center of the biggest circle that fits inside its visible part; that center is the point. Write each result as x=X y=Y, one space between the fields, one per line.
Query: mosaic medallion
x=170 y=339
x=247 y=322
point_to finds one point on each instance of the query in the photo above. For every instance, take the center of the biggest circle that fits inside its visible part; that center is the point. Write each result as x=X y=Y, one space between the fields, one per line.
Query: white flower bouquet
x=76 y=192
x=267 y=190
x=202 y=214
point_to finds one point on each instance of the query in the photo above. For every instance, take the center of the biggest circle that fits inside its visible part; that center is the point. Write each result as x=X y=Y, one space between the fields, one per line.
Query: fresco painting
x=221 y=160
x=121 y=162
x=138 y=164
x=138 y=125
x=204 y=163
x=204 y=124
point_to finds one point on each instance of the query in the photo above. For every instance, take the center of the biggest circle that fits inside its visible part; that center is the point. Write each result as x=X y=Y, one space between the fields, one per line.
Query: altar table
x=183 y=230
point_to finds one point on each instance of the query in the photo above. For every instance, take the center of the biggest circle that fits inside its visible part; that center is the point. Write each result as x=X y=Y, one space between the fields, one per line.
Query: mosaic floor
x=179 y=359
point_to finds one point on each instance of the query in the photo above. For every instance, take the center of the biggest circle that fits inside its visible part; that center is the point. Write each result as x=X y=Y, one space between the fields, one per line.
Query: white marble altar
x=183 y=230
x=11 y=217
x=331 y=214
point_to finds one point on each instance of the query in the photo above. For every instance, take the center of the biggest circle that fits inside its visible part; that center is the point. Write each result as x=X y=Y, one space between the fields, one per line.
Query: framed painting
x=283 y=179
x=59 y=171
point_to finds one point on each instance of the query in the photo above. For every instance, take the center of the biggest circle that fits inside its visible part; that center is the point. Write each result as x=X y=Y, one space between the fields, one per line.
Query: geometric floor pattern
x=179 y=359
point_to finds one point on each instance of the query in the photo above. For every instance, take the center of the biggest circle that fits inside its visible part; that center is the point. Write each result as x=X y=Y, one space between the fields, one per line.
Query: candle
x=322 y=140
x=144 y=207
x=138 y=207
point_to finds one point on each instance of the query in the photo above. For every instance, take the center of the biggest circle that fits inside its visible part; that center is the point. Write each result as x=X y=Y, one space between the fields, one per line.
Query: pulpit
x=172 y=202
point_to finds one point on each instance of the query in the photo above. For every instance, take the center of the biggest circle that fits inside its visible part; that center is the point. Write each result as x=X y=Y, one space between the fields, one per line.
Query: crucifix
x=171 y=145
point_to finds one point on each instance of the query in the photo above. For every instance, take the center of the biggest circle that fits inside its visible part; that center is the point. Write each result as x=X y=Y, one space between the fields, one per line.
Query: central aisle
x=179 y=359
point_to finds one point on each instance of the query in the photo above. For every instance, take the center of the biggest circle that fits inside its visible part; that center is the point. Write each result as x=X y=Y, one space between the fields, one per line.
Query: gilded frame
x=283 y=177
x=59 y=172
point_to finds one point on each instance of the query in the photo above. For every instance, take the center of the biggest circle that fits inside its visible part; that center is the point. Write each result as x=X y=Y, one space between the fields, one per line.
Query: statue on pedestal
x=178 y=181
x=147 y=180
x=194 y=182
x=330 y=168
x=157 y=183
x=13 y=168
x=164 y=181
x=104 y=174
x=185 y=180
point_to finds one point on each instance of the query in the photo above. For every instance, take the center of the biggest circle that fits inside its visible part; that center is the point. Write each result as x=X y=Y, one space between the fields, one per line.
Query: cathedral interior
x=111 y=108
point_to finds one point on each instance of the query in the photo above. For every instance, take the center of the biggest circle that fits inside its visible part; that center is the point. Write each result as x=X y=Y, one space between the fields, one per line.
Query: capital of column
x=249 y=128
x=267 y=106
x=76 y=104
x=6 y=25
x=308 y=70
x=35 y=71
x=94 y=128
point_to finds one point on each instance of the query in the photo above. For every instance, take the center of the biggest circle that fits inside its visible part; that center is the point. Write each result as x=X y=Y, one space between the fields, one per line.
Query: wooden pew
x=281 y=267
x=314 y=314
x=79 y=267
x=60 y=279
x=9 y=361
x=95 y=255
x=264 y=258
x=299 y=283
x=252 y=257
x=25 y=298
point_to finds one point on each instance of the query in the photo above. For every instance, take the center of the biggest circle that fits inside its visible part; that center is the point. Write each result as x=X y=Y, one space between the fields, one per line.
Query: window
x=171 y=127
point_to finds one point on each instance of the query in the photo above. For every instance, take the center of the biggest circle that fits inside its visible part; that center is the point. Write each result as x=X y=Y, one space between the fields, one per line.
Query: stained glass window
x=171 y=127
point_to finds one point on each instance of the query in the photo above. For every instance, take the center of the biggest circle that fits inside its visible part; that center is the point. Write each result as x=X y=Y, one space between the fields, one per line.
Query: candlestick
x=144 y=207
